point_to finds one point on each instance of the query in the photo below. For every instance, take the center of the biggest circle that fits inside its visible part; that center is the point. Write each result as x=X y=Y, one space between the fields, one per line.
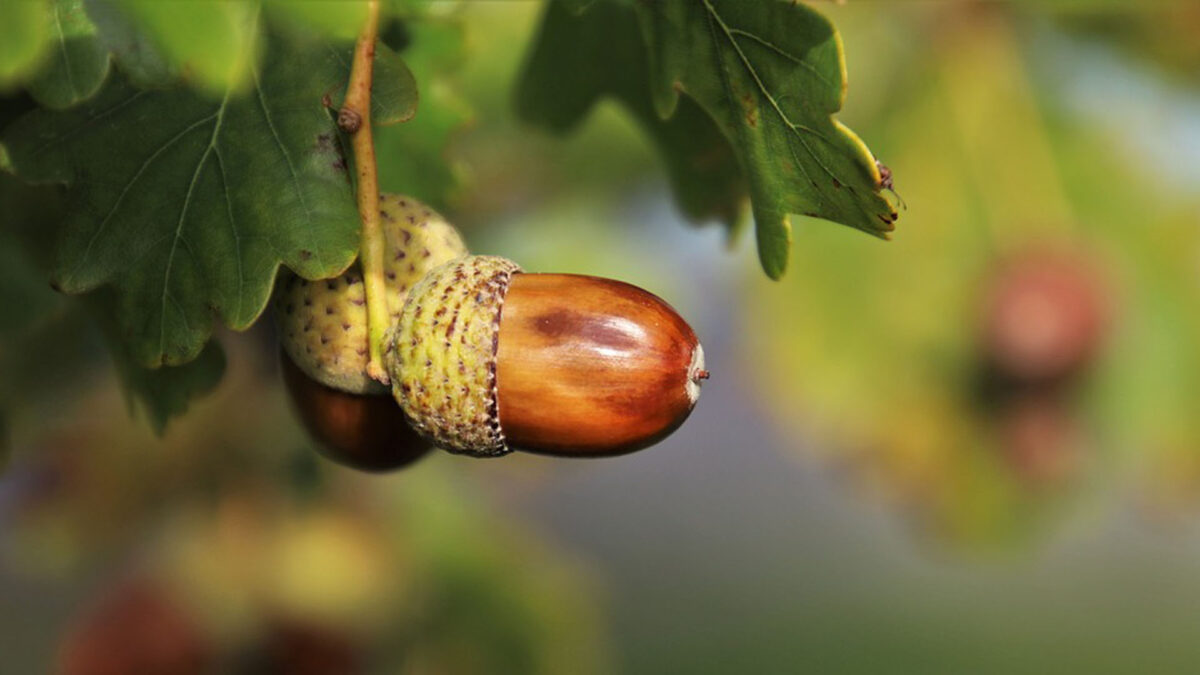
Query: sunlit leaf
x=24 y=37
x=339 y=19
x=213 y=43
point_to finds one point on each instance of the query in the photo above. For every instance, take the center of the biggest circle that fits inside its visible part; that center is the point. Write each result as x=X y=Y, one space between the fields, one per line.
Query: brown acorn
x=323 y=331
x=1045 y=316
x=485 y=359
x=135 y=626
x=362 y=431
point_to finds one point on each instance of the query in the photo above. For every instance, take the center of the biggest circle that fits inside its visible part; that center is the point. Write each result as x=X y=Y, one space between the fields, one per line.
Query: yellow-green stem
x=355 y=119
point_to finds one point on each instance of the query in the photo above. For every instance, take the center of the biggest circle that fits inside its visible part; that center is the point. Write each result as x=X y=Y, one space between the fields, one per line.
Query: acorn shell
x=363 y=431
x=323 y=324
x=592 y=367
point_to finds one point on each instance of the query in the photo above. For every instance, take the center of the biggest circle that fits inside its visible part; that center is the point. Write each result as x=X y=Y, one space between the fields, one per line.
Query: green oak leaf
x=433 y=51
x=83 y=41
x=158 y=393
x=38 y=321
x=772 y=74
x=393 y=86
x=341 y=19
x=78 y=60
x=584 y=53
x=187 y=205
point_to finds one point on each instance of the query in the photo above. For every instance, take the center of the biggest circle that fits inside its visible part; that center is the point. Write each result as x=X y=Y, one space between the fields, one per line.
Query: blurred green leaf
x=187 y=205
x=134 y=51
x=78 y=60
x=412 y=156
x=24 y=37
x=580 y=56
x=773 y=75
x=339 y=19
x=29 y=216
x=422 y=9
x=214 y=44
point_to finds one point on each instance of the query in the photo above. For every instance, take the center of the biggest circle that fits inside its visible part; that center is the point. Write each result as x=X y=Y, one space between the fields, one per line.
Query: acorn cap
x=441 y=355
x=323 y=324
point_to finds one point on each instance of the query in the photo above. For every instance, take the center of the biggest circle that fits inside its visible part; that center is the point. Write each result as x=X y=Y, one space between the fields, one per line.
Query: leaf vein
x=795 y=128
x=128 y=186
x=288 y=158
x=62 y=47
x=187 y=200
x=782 y=52
x=237 y=236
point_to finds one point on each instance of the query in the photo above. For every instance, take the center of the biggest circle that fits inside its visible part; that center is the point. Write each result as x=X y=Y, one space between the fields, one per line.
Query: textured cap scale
x=441 y=356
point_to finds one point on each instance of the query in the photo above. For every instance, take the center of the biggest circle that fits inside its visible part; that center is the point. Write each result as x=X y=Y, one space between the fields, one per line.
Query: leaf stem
x=355 y=119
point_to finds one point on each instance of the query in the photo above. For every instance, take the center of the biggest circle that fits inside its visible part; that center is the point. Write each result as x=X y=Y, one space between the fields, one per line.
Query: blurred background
x=975 y=448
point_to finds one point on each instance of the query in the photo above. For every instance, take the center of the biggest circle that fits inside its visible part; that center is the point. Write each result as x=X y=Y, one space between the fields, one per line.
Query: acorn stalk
x=355 y=119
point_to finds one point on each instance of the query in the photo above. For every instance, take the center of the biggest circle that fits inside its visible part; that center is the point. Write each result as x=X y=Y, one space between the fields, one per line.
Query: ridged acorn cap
x=323 y=324
x=441 y=355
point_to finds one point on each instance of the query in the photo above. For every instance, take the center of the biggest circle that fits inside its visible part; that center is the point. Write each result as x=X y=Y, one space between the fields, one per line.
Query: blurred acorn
x=294 y=647
x=1040 y=439
x=135 y=627
x=1045 y=316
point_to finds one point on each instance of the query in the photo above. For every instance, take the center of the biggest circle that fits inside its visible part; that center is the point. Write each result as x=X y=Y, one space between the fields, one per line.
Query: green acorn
x=323 y=324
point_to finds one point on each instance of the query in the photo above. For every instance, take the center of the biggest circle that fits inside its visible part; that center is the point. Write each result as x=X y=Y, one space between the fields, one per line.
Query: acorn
x=135 y=626
x=485 y=359
x=1046 y=316
x=362 y=431
x=323 y=331
x=323 y=324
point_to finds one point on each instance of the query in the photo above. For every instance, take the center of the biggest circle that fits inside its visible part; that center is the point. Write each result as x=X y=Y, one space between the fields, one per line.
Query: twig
x=355 y=119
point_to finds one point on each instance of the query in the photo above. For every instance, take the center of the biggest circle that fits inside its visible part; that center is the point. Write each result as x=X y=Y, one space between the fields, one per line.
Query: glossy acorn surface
x=588 y=366
x=362 y=431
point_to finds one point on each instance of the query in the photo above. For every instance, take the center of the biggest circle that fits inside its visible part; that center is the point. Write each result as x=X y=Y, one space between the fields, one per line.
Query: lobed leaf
x=158 y=393
x=187 y=205
x=772 y=74
x=584 y=52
